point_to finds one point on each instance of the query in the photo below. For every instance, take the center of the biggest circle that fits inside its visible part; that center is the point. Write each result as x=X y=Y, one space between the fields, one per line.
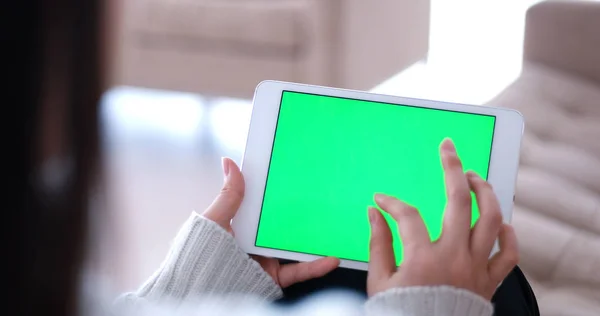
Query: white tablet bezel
x=502 y=171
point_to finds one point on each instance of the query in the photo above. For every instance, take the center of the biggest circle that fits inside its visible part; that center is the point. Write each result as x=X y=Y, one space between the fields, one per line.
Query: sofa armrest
x=565 y=35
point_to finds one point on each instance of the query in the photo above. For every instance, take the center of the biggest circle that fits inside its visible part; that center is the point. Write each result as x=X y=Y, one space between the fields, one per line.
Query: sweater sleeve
x=205 y=261
x=428 y=300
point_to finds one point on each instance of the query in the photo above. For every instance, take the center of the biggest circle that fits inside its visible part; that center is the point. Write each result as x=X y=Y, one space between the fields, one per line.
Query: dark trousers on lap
x=514 y=297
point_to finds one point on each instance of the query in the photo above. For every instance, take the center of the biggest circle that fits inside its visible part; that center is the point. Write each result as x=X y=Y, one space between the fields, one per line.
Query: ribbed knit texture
x=206 y=261
x=427 y=300
x=207 y=273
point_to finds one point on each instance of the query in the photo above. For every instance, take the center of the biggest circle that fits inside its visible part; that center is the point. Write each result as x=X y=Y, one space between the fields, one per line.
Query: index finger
x=457 y=216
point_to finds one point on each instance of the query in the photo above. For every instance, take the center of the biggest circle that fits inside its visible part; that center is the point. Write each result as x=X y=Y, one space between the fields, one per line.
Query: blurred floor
x=162 y=155
x=163 y=149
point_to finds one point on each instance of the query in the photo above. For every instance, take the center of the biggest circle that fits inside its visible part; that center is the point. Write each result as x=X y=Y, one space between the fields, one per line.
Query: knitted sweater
x=207 y=273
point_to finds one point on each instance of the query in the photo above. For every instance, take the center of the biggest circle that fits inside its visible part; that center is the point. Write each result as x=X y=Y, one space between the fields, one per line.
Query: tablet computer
x=315 y=156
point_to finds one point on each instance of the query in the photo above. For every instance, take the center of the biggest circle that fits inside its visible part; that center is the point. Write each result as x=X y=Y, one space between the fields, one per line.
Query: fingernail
x=225 y=165
x=448 y=146
x=372 y=215
x=380 y=198
x=473 y=175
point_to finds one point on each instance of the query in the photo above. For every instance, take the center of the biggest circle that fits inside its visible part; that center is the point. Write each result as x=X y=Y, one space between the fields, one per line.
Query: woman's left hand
x=224 y=208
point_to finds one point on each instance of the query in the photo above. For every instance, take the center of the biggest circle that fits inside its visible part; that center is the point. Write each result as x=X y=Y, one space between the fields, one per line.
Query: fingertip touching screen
x=331 y=155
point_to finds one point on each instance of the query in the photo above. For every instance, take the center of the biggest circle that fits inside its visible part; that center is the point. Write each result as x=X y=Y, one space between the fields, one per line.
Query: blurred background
x=183 y=73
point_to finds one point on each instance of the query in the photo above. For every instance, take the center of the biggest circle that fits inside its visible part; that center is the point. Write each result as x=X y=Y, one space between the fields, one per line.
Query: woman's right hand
x=460 y=258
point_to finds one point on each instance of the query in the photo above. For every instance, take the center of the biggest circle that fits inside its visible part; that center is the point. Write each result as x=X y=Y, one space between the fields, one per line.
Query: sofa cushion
x=533 y=186
x=557 y=206
x=265 y=22
x=555 y=252
x=558 y=107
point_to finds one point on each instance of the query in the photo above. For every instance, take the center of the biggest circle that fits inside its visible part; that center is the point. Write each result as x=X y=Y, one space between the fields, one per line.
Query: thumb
x=382 y=262
x=225 y=206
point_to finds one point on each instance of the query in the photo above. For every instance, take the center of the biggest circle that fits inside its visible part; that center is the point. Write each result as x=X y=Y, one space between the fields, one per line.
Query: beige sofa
x=225 y=47
x=557 y=209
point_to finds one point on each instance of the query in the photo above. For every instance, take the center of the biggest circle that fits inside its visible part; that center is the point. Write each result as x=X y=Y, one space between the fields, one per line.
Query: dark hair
x=56 y=54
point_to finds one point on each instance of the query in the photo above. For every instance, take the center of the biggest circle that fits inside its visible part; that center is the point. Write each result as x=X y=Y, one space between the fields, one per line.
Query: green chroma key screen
x=331 y=155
